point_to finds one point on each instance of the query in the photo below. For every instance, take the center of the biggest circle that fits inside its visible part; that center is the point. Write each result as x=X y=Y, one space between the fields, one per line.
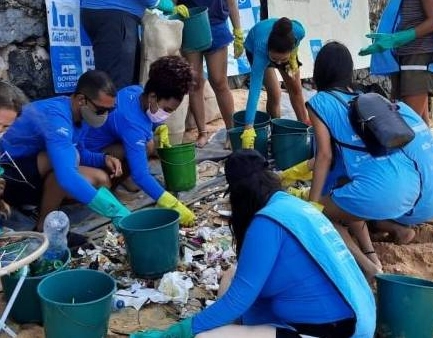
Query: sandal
x=202 y=139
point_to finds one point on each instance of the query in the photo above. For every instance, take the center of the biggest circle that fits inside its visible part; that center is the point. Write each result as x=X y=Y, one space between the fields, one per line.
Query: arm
x=425 y=27
x=260 y=63
x=294 y=87
x=234 y=14
x=254 y=268
x=323 y=157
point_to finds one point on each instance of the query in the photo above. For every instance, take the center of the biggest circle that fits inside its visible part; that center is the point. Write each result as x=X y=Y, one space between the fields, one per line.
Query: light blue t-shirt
x=129 y=125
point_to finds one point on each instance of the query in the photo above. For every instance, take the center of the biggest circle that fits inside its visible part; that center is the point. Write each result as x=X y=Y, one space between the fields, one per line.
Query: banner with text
x=346 y=21
x=70 y=50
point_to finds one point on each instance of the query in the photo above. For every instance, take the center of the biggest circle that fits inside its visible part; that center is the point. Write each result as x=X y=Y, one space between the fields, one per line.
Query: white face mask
x=159 y=116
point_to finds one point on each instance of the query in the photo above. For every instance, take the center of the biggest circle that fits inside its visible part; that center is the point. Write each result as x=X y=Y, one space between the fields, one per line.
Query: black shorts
x=20 y=190
x=341 y=329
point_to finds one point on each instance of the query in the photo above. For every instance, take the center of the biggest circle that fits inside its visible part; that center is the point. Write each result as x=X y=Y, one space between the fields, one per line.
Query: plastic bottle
x=117 y=304
x=56 y=227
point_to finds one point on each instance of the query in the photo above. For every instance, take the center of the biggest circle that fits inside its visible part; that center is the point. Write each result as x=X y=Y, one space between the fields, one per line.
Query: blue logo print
x=343 y=7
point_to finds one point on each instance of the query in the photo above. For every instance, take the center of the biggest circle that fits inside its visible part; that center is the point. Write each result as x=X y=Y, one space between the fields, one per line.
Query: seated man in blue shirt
x=46 y=161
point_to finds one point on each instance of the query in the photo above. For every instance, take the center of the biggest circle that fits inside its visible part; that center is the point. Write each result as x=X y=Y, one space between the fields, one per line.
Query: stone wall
x=24 y=58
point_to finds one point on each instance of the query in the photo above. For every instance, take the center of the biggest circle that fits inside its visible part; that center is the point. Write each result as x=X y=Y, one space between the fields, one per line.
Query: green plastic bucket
x=404 y=306
x=27 y=306
x=291 y=142
x=196 y=33
x=76 y=303
x=261 y=119
x=285 y=126
x=178 y=166
x=152 y=241
x=260 y=142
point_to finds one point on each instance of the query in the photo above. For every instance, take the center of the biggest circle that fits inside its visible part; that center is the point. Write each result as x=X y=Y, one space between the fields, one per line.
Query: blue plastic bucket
x=76 y=303
x=404 y=306
x=196 y=33
x=260 y=142
x=152 y=241
x=261 y=119
x=285 y=126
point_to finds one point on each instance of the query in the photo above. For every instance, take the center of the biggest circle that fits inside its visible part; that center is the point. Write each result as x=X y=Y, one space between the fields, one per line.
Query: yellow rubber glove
x=299 y=172
x=302 y=193
x=248 y=137
x=167 y=200
x=317 y=205
x=162 y=132
x=293 y=65
x=238 y=43
x=182 y=10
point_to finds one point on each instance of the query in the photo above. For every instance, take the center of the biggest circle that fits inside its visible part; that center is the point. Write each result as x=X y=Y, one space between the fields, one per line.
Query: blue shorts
x=221 y=37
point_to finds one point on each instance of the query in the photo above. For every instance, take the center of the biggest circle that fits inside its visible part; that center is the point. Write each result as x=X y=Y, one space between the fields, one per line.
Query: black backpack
x=378 y=123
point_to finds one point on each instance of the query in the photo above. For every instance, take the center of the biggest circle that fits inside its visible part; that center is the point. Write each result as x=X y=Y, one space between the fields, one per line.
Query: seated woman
x=294 y=274
x=128 y=132
x=396 y=189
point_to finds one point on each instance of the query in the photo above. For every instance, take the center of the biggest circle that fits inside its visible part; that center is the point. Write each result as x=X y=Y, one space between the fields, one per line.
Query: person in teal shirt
x=273 y=43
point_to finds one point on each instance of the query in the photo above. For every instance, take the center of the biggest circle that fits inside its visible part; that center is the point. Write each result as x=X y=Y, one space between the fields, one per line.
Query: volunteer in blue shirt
x=294 y=274
x=273 y=43
x=129 y=127
x=396 y=188
x=46 y=160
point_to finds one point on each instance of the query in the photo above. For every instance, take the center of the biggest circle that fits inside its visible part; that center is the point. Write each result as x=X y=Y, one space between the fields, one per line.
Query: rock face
x=24 y=58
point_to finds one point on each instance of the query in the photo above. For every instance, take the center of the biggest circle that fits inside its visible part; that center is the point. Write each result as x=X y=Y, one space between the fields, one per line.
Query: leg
x=273 y=92
x=53 y=194
x=369 y=265
x=217 y=69
x=400 y=233
x=196 y=98
x=114 y=37
x=419 y=103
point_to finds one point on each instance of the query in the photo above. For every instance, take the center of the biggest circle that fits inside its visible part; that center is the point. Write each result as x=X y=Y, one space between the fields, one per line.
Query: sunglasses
x=99 y=110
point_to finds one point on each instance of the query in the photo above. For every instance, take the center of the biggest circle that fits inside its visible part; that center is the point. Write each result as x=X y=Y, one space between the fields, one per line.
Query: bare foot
x=202 y=139
x=130 y=185
x=372 y=256
x=404 y=235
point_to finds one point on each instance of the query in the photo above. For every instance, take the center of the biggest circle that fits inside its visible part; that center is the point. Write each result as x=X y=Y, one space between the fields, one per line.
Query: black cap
x=244 y=163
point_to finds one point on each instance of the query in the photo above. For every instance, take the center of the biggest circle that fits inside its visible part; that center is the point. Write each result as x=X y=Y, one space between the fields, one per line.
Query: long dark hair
x=249 y=194
x=281 y=38
x=333 y=67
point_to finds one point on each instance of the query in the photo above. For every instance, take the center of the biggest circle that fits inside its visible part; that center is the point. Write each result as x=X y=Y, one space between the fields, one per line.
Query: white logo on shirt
x=63 y=131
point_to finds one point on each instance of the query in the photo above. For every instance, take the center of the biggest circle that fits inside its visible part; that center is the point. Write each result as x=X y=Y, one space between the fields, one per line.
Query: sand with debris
x=414 y=259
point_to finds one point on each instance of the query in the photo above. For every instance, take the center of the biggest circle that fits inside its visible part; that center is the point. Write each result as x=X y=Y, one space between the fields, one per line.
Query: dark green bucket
x=196 y=33
x=404 y=306
x=261 y=119
x=260 y=142
x=291 y=142
x=27 y=306
x=76 y=303
x=285 y=126
x=152 y=241
x=178 y=166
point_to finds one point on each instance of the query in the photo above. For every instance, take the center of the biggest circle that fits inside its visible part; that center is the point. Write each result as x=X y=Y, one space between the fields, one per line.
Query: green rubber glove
x=181 y=329
x=162 y=133
x=238 y=43
x=167 y=200
x=168 y=7
x=299 y=172
x=248 y=137
x=384 y=41
x=106 y=204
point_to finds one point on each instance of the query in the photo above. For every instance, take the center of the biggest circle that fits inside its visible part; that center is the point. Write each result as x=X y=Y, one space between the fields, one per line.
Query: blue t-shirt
x=256 y=43
x=135 y=7
x=47 y=125
x=129 y=125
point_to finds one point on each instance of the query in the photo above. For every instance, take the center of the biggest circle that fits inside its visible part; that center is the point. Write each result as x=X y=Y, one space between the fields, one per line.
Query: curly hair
x=169 y=77
x=11 y=97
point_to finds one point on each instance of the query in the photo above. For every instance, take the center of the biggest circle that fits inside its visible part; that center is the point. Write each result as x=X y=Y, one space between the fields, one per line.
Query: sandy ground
x=413 y=259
